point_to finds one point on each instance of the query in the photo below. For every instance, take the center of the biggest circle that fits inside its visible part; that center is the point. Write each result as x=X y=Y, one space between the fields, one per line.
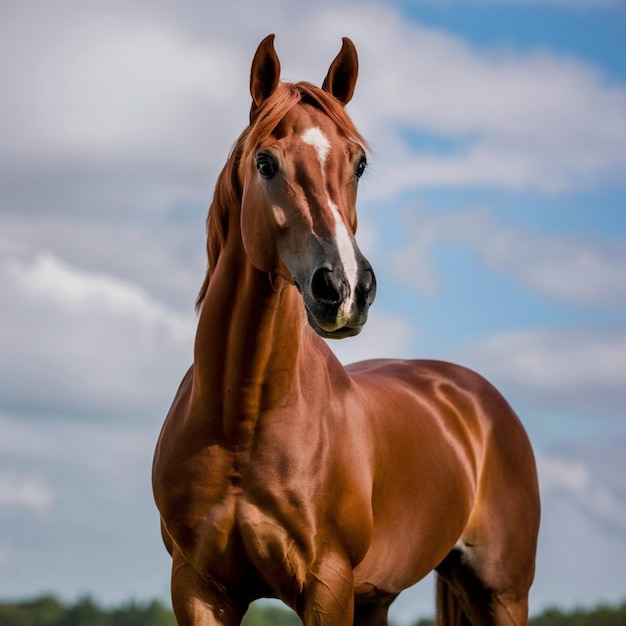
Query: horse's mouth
x=328 y=331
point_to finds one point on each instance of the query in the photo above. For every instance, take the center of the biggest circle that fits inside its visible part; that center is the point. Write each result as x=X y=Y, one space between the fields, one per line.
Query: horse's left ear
x=265 y=73
x=343 y=72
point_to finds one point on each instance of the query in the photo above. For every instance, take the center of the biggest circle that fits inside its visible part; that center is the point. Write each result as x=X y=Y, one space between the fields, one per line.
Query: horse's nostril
x=368 y=281
x=329 y=285
x=368 y=285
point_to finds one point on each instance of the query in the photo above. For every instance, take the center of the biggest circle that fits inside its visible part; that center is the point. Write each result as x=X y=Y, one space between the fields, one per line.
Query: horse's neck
x=248 y=346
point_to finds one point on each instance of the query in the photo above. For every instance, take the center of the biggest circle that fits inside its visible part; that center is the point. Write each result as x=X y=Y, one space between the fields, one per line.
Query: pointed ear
x=343 y=72
x=265 y=72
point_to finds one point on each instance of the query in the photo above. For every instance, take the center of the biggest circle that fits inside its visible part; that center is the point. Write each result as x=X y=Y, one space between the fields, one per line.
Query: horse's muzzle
x=337 y=303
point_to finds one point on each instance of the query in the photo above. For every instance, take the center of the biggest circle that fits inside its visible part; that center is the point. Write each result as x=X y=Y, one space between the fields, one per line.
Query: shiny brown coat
x=280 y=473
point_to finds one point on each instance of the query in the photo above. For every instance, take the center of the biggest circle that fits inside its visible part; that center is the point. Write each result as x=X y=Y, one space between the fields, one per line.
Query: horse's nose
x=330 y=285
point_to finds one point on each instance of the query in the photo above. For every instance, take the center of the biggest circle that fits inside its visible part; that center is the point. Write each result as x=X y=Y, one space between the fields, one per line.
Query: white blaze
x=316 y=138
x=345 y=248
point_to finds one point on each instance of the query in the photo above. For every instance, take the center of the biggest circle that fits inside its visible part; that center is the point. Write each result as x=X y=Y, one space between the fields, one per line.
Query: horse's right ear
x=265 y=73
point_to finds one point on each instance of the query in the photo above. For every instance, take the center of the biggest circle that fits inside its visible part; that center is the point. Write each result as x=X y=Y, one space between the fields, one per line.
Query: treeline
x=49 y=611
x=599 y=616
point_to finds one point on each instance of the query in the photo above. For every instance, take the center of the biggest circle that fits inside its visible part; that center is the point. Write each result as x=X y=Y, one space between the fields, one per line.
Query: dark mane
x=228 y=188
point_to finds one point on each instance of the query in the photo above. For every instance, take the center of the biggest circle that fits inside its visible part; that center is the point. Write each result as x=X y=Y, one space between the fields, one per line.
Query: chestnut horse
x=280 y=473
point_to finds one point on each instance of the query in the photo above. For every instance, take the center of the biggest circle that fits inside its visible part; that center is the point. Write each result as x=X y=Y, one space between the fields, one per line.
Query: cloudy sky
x=493 y=211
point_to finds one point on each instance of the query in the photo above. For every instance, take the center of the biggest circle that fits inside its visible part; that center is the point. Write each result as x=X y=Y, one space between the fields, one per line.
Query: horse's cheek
x=258 y=236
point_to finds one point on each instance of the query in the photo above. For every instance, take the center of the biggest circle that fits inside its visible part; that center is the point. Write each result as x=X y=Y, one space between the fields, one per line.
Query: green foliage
x=600 y=616
x=49 y=611
x=44 y=611
x=269 y=616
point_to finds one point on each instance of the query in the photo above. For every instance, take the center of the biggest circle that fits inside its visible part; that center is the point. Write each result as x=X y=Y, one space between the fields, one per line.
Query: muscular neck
x=247 y=346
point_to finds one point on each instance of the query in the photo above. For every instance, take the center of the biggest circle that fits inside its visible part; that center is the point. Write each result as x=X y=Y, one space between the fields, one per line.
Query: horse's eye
x=266 y=165
x=360 y=167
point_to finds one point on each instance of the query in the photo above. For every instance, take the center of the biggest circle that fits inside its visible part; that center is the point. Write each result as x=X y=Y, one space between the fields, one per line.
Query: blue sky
x=493 y=211
x=593 y=31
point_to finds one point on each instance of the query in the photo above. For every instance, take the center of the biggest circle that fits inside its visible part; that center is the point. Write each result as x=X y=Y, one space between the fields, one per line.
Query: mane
x=228 y=189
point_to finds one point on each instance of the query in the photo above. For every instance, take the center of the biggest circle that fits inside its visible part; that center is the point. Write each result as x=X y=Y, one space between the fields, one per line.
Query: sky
x=493 y=212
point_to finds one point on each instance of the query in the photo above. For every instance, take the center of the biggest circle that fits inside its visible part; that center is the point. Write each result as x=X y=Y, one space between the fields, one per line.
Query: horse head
x=300 y=165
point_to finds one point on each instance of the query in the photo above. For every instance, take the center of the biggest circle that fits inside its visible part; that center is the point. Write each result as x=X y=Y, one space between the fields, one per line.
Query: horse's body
x=280 y=473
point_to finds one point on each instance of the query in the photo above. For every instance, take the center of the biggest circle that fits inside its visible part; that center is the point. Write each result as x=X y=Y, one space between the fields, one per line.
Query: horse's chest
x=225 y=533
x=271 y=544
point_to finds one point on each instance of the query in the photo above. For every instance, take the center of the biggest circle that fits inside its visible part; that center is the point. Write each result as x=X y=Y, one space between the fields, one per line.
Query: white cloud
x=579 y=369
x=574 y=269
x=48 y=280
x=140 y=95
x=583 y=483
x=28 y=491
x=571 y=476
x=75 y=341
x=515 y=120
x=583 y=525
x=167 y=260
x=112 y=83
x=113 y=111
x=96 y=477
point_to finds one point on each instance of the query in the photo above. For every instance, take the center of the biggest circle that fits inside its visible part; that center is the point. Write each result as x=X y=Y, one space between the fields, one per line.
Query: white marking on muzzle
x=316 y=138
x=345 y=247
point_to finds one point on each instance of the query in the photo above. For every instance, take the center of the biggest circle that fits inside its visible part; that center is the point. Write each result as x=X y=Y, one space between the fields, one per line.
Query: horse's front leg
x=329 y=594
x=198 y=603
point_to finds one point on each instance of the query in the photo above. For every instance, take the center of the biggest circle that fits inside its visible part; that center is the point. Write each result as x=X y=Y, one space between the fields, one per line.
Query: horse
x=281 y=473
